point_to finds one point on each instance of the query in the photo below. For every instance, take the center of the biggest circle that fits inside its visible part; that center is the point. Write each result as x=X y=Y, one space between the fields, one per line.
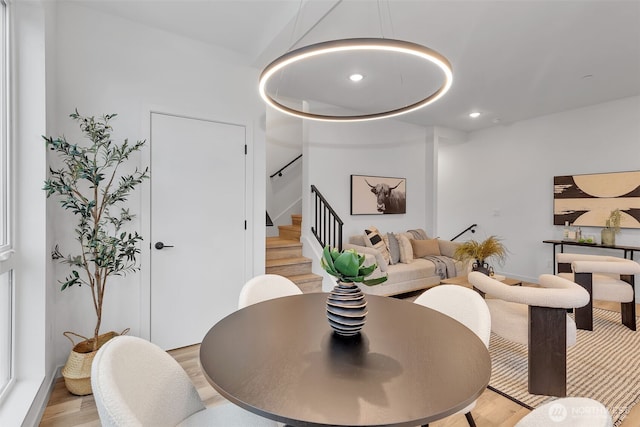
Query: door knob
x=160 y=245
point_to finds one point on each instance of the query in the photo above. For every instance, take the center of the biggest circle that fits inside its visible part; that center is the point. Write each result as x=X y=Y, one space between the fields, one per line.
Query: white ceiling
x=512 y=60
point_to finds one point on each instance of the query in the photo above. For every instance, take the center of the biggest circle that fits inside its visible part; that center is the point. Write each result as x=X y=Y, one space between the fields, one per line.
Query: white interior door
x=198 y=214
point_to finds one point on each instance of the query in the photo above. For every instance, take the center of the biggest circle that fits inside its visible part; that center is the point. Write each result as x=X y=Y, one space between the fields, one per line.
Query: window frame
x=6 y=193
x=5 y=146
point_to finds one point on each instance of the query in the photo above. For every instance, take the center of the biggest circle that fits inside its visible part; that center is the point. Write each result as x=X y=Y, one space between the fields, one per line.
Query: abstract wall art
x=587 y=200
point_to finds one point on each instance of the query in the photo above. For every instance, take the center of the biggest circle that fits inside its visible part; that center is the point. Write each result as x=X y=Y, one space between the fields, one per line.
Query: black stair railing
x=469 y=228
x=279 y=171
x=327 y=225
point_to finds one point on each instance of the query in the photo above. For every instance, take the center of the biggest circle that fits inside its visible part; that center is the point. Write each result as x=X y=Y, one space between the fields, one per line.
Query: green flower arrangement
x=347 y=266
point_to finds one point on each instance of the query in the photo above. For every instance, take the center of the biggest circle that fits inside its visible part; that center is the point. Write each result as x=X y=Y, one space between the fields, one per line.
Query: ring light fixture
x=357 y=44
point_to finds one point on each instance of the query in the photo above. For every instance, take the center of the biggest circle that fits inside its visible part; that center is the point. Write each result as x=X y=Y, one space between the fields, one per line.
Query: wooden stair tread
x=303 y=278
x=284 y=257
x=279 y=242
x=290 y=227
x=287 y=261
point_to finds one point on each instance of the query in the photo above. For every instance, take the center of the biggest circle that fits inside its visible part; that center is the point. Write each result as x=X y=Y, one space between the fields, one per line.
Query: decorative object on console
x=587 y=200
x=479 y=252
x=346 y=305
x=611 y=228
x=378 y=195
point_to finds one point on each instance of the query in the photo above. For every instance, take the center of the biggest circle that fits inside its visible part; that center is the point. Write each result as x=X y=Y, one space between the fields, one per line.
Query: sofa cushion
x=394 y=247
x=358 y=239
x=373 y=256
x=406 y=251
x=422 y=248
x=447 y=247
x=418 y=269
x=374 y=240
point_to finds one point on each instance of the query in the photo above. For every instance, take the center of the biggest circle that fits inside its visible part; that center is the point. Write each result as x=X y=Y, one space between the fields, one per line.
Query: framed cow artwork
x=378 y=195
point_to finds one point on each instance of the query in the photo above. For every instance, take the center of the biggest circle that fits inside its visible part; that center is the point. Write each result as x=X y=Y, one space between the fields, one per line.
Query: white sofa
x=412 y=275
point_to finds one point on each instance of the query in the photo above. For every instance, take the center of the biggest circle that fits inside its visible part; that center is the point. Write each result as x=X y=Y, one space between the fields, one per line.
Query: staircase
x=284 y=257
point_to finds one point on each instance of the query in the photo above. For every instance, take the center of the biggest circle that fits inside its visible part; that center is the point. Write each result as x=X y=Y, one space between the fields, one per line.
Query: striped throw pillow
x=374 y=240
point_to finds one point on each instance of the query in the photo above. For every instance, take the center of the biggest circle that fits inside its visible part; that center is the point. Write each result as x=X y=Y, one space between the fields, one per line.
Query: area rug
x=604 y=365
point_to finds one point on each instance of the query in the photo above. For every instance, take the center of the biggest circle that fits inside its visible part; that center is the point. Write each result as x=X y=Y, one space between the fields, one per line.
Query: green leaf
x=347 y=264
x=377 y=281
x=365 y=271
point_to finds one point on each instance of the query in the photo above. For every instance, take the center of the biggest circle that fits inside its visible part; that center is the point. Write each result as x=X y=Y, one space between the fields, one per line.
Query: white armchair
x=536 y=317
x=606 y=278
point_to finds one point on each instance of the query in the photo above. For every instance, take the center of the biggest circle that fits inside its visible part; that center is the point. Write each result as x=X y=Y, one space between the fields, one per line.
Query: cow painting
x=390 y=200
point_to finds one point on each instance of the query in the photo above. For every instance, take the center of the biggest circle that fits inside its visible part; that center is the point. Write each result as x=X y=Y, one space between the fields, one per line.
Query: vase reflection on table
x=346 y=304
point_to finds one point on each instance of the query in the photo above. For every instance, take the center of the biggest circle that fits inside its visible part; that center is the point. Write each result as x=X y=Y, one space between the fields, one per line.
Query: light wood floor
x=492 y=410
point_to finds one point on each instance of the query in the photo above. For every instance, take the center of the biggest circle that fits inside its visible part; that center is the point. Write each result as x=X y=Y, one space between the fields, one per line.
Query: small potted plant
x=479 y=252
x=347 y=266
x=92 y=189
x=346 y=305
x=611 y=228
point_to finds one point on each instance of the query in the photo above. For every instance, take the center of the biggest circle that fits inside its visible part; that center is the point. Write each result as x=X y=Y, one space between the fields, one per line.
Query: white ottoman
x=568 y=412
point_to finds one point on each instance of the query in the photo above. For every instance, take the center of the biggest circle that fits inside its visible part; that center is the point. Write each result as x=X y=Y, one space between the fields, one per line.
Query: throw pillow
x=394 y=248
x=422 y=248
x=406 y=251
x=375 y=241
x=448 y=248
x=418 y=234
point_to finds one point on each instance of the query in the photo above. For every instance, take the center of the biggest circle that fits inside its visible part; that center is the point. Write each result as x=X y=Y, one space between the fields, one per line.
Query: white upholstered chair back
x=136 y=383
x=463 y=304
x=467 y=307
x=509 y=304
x=265 y=287
x=568 y=412
x=536 y=317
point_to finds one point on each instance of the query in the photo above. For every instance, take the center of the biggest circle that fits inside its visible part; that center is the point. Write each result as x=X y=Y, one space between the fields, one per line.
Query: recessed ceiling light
x=474 y=114
x=356 y=77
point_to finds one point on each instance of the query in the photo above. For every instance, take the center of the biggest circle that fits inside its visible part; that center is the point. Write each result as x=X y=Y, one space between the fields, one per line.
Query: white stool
x=568 y=412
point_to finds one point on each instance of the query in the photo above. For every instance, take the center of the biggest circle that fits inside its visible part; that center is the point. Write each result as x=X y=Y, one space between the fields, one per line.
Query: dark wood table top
x=409 y=366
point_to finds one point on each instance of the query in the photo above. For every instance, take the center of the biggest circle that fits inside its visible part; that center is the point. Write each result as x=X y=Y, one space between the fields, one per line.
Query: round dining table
x=410 y=365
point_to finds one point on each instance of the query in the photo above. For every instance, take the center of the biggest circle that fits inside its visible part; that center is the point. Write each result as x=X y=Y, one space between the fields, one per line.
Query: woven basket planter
x=77 y=370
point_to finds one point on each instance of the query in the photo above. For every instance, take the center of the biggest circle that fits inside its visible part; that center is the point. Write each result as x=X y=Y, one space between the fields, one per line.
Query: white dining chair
x=265 y=287
x=568 y=412
x=467 y=307
x=135 y=383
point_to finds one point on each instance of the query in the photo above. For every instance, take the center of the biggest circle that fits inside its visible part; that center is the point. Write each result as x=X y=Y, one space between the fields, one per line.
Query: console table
x=628 y=250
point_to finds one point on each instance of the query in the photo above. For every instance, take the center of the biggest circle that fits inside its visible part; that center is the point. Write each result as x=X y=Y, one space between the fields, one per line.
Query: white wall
x=106 y=64
x=502 y=178
x=284 y=143
x=335 y=151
